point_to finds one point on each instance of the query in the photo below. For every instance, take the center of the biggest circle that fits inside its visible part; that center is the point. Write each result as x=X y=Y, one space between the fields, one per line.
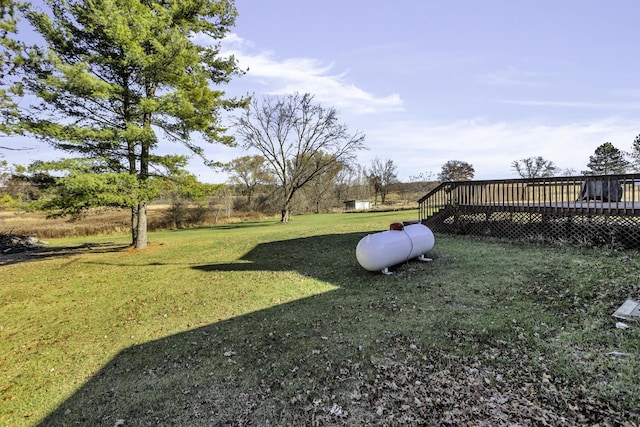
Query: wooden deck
x=569 y=208
x=597 y=210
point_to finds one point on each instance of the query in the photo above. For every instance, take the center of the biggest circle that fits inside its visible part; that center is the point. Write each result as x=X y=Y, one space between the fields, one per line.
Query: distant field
x=261 y=323
x=103 y=222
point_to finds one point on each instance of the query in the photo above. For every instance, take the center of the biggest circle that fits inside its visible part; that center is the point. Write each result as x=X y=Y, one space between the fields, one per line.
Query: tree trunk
x=134 y=225
x=286 y=208
x=141 y=229
x=143 y=174
x=285 y=215
x=139 y=225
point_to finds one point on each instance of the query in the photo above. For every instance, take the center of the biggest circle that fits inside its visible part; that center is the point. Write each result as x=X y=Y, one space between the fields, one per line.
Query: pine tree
x=456 y=170
x=607 y=160
x=9 y=60
x=635 y=154
x=114 y=73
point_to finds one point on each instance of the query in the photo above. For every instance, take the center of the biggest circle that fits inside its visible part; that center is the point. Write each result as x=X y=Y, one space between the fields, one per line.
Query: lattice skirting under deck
x=592 y=230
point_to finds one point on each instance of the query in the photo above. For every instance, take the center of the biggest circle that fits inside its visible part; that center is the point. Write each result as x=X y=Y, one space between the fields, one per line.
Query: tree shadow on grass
x=39 y=254
x=285 y=365
x=328 y=257
x=234 y=226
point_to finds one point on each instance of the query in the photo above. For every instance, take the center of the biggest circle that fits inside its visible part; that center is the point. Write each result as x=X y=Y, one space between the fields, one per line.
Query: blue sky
x=486 y=82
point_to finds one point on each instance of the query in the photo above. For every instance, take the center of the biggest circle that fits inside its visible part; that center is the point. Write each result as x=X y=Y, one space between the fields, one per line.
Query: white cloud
x=290 y=75
x=491 y=147
x=230 y=40
x=511 y=76
x=417 y=146
x=575 y=104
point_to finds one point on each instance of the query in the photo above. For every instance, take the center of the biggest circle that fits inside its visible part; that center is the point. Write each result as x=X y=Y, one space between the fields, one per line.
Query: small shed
x=357 y=205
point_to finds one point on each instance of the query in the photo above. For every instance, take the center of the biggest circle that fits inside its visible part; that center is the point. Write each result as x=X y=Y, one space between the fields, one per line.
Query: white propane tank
x=382 y=250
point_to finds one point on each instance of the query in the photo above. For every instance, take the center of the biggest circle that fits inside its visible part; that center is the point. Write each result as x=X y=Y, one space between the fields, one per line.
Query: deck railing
x=585 y=195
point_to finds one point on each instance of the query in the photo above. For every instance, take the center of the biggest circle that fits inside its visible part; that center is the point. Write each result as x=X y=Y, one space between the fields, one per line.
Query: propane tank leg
x=386 y=271
x=422 y=258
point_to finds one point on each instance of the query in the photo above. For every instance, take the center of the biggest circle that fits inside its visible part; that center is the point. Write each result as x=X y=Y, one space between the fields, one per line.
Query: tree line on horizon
x=254 y=187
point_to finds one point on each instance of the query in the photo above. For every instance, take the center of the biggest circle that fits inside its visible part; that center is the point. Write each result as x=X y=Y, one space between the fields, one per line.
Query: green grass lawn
x=262 y=323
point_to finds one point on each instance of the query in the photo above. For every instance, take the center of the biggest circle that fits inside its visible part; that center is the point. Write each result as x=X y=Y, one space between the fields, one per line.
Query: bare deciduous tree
x=249 y=172
x=318 y=189
x=381 y=175
x=534 y=167
x=289 y=132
